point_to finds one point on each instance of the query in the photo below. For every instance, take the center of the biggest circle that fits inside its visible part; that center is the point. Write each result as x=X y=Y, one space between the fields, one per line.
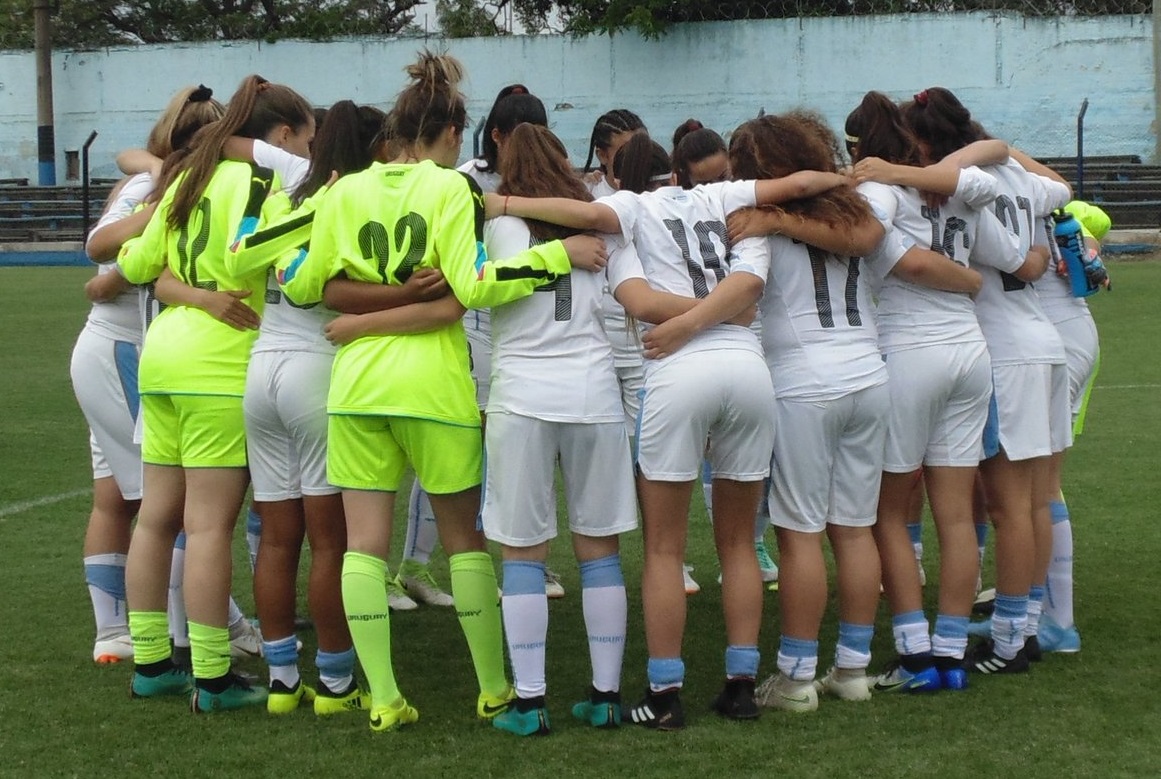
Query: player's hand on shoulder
x=587 y=252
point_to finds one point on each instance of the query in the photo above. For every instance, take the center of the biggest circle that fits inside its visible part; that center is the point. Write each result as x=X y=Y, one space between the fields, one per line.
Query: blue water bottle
x=1084 y=276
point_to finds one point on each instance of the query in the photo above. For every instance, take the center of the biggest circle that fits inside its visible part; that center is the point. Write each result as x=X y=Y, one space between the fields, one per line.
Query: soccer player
x=286 y=425
x=705 y=381
x=1028 y=420
x=192 y=376
x=940 y=384
x=555 y=397
x=380 y=226
x=104 y=374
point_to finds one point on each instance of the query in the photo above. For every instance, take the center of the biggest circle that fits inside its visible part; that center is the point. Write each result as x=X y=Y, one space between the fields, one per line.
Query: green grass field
x=1092 y=714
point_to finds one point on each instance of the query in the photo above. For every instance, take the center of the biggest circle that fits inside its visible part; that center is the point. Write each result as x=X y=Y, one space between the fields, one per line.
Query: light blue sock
x=523 y=577
x=950 y=639
x=911 y=634
x=915 y=532
x=336 y=670
x=854 y=646
x=282 y=657
x=797 y=658
x=742 y=662
x=665 y=673
x=253 y=535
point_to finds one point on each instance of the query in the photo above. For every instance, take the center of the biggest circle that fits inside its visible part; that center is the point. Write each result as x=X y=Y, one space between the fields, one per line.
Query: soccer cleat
x=952 y=674
x=736 y=700
x=421 y=587
x=896 y=678
x=524 y=717
x=848 y=684
x=1054 y=638
x=983 y=659
x=113 y=650
x=353 y=699
x=981 y=629
x=245 y=640
x=552 y=586
x=985 y=602
x=601 y=710
x=782 y=692
x=174 y=681
x=488 y=706
x=284 y=700
x=691 y=586
x=398 y=714
x=766 y=563
x=397 y=597
x=1032 y=649
x=238 y=694
x=659 y=710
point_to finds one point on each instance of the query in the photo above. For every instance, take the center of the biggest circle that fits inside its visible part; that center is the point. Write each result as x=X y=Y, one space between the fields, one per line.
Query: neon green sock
x=365 y=601
x=209 y=649
x=473 y=582
x=150 y=633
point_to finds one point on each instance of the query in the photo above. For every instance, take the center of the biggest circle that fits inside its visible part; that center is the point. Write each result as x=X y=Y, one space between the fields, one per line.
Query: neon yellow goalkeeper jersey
x=187 y=351
x=379 y=226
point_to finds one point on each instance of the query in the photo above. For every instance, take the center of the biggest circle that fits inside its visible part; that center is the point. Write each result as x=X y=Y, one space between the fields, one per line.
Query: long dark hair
x=538 y=167
x=344 y=143
x=642 y=165
x=615 y=122
x=774 y=146
x=255 y=109
x=942 y=122
x=876 y=128
x=514 y=104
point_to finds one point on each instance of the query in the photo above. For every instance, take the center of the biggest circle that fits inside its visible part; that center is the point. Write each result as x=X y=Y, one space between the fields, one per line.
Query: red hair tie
x=921 y=98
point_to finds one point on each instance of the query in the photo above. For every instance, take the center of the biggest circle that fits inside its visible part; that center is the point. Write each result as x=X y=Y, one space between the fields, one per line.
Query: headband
x=660 y=177
x=851 y=139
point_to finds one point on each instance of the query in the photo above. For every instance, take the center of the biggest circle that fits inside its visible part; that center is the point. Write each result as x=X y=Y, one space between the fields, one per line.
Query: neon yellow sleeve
x=284 y=230
x=142 y=260
x=303 y=275
x=477 y=281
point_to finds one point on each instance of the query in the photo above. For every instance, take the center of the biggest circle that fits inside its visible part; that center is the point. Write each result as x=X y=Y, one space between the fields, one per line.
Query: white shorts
x=828 y=461
x=632 y=381
x=1031 y=408
x=286 y=424
x=939 y=404
x=725 y=396
x=104 y=375
x=1081 y=347
x=480 y=352
x=520 y=493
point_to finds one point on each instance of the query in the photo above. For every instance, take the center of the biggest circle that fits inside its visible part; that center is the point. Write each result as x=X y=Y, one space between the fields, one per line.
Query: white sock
x=234 y=618
x=526 y=629
x=105 y=575
x=912 y=633
x=178 y=626
x=1058 y=592
x=422 y=534
x=1035 y=607
x=605 y=610
x=287 y=674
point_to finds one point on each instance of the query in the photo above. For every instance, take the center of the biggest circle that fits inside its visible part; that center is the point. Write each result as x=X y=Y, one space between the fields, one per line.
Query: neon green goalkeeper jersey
x=381 y=225
x=187 y=351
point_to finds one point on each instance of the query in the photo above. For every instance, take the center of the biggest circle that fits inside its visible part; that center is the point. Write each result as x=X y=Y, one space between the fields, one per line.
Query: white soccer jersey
x=680 y=238
x=551 y=359
x=119 y=318
x=478 y=321
x=626 y=343
x=818 y=330
x=1014 y=323
x=909 y=315
x=1054 y=290
x=291 y=168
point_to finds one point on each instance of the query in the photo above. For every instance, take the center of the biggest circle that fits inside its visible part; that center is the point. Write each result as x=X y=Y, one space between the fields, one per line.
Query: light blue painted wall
x=1023 y=78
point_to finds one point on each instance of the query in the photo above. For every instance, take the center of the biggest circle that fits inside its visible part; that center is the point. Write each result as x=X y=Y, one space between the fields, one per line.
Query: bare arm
x=557 y=210
x=103 y=245
x=1033 y=166
x=105 y=286
x=1035 y=264
x=796 y=186
x=941 y=178
x=362 y=297
x=134 y=161
x=646 y=304
x=732 y=297
x=225 y=306
x=931 y=269
x=855 y=241
x=989 y=152
x=412 y=318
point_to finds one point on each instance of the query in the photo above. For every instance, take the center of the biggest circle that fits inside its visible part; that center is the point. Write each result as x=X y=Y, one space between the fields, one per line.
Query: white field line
x=1126 y=386
x=47 y=500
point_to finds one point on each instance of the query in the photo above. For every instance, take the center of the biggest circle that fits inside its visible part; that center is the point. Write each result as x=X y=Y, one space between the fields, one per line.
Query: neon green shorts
x=194 y=431
x=372 y=452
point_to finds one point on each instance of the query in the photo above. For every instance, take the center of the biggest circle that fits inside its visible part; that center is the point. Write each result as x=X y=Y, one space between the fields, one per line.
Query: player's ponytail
x=876 y=129
x=256 y=108
x=431 y=102
x=642 y=165
x=344 y=143
x=941 y=121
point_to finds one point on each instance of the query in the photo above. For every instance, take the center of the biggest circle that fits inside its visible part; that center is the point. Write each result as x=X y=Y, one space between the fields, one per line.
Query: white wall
x=1023 y=78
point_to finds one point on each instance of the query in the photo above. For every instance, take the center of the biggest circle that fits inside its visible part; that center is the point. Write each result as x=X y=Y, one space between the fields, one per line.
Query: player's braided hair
x=774 y=146
x=537 y=166
x=615 y=122
x=941 y=121
x=431 y=102
x=876 y=128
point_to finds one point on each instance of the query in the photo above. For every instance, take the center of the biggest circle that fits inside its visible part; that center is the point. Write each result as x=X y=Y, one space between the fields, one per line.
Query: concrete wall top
x=1024 y=78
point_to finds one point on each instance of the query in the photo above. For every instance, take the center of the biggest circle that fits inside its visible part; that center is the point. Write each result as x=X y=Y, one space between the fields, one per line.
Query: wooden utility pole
x=45 y=136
